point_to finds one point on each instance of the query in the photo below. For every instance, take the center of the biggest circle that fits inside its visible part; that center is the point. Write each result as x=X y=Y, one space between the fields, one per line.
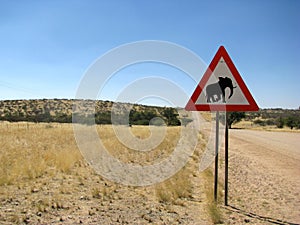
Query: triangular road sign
x=221 y=88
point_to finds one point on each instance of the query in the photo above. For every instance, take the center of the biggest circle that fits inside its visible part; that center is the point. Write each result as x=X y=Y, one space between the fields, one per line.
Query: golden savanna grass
x=45 y=153
x=128 y=155
x=31 y=150
x=176 y=188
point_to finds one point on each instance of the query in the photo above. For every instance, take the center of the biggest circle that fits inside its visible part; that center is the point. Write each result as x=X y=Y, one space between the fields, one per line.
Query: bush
x=292 y=122
x=280 y=122
x=103 y=118
x=235 y=117
x=171 y=117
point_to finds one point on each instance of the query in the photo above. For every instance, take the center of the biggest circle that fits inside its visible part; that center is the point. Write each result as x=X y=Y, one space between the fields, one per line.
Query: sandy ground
x=65 y=199
x=264 y=177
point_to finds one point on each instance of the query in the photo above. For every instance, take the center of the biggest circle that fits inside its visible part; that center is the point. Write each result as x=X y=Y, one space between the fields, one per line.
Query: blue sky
x=47 y=46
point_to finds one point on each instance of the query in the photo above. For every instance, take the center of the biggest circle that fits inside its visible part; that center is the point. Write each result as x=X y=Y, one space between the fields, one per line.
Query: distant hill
x=60 y=110
x=88 y=111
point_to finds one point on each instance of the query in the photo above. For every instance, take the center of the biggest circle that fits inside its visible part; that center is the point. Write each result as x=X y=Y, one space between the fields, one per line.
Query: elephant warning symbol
x=216 y=91
x=221 y=88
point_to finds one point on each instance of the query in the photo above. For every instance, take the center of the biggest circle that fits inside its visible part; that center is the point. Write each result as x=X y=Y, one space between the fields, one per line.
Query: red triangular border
x=191 y=106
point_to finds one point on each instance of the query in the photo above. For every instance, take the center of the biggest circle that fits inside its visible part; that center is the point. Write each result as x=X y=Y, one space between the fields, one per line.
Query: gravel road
x=264 y=176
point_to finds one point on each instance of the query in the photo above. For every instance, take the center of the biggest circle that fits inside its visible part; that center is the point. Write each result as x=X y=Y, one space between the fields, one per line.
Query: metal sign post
x=226 y=159
x=216 y=157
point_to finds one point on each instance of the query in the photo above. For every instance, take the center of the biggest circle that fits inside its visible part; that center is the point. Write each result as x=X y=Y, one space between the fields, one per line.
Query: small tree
x=171 y=116
x=280 y=122
x=235 y=117
x=291 y=122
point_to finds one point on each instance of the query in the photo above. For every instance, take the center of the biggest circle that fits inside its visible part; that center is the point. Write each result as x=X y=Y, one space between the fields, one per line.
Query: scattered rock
x=91 y=213
x=26 y=220
x=84 y=198
x=34 y=190
x=9 y=210
x=246 y=220
x=147 y=218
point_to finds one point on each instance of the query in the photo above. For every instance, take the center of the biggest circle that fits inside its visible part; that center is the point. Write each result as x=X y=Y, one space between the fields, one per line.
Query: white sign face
x=222 y=81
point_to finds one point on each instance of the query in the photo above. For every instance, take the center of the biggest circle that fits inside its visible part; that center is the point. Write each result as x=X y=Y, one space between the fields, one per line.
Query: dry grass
x=28 y=152
x=125 y=154
x=176 y=188
x=42 y=161
x=170 y=191
x=180 y=186
x=212 y=207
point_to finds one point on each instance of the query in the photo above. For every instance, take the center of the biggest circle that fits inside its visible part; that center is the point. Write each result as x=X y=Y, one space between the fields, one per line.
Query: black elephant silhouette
x=216 y=91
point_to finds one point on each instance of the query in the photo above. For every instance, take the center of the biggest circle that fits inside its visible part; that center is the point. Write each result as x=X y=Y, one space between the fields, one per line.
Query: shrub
x=292 y=122
x=280 y=122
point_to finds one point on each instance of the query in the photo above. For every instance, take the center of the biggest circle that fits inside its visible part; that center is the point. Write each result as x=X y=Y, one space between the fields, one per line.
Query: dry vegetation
x=29 y=151
x=44 y=179
x=125 y=154
x=212 y=207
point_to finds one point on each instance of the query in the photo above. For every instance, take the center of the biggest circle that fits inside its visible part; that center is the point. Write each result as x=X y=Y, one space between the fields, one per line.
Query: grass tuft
x=176 y=188
x=212 y=207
